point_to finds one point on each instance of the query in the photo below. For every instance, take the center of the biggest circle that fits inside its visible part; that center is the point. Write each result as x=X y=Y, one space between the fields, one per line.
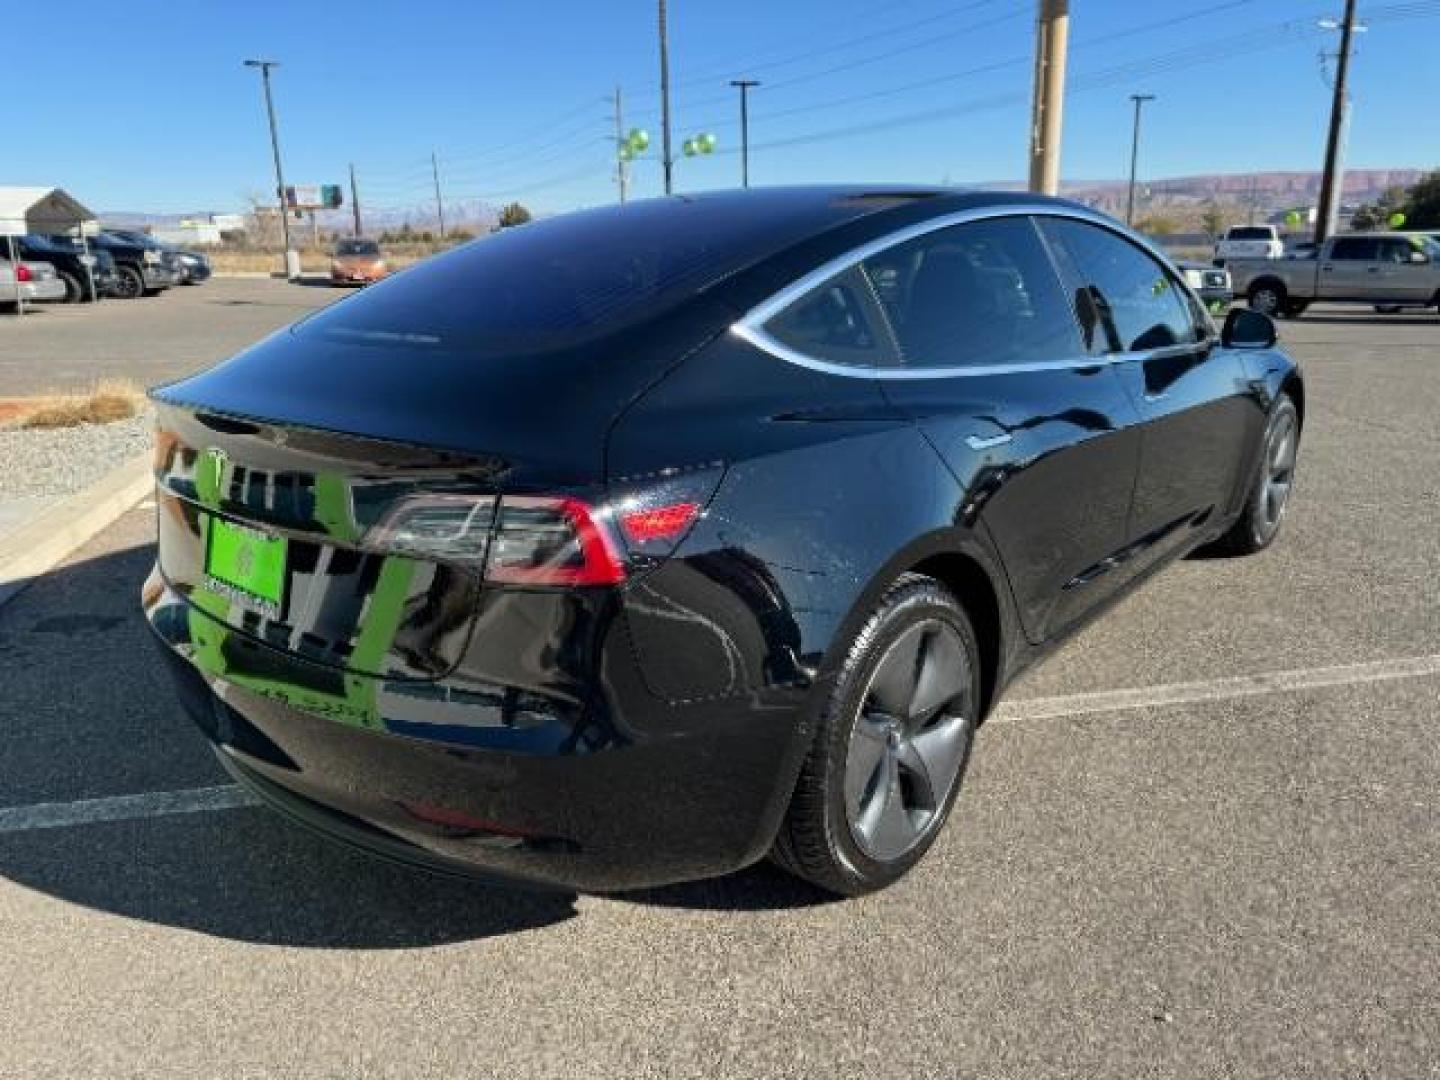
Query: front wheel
x=1269 y=494
x=891 y=747
x=129 y=283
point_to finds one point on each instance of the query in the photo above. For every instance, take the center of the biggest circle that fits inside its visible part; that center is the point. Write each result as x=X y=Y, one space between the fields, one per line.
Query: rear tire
x=891 y=746
x=1269 y=494
x=1268 y=298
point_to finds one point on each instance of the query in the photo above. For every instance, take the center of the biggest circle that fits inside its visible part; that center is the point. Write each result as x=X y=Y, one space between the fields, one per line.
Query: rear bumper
x=443 y=775
x=50 y=289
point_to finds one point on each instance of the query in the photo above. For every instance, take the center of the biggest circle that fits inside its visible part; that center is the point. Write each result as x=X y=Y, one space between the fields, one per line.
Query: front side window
x=1136 y=300
x=1397 y=251
x=975 y=294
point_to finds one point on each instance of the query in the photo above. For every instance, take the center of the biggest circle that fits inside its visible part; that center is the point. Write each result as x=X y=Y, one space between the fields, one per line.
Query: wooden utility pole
x=667 y=163
x=745 y=86
x=355 y=200
x=1330 y=183
x=622 y=167
x=1052 y=36
x=1139 y=100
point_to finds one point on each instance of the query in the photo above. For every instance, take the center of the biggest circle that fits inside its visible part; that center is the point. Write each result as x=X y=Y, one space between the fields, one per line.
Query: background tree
x=1214 y=219
x=1422 y=203
x=1157 y=225
x=513 y=214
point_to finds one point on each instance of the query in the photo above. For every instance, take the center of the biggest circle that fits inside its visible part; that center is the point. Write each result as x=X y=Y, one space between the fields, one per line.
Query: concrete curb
x=40 y=545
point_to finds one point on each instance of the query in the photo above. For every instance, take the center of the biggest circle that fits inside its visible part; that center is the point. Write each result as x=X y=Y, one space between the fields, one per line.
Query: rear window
x=564 y=280
x=1248 y=232
x=357 y=247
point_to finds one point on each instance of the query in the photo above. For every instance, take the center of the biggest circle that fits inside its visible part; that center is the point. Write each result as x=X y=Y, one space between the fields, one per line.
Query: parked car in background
x=357 y=261
x=139 y=270
x=87 y=274
x=640 y=542
x=28 y=281
x=1211 y=284
x=1249 y=242
x=1385 y=270
x=190 y=267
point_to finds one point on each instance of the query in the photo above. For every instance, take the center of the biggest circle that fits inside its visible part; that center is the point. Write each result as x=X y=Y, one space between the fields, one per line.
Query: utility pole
x=667 y=163
x=1052 y=36
x=622 y=167
x=439 y=202
x=1330 y=184
x=745 y=86
x=292 y=260
x=355 y=200
x=1139 y=100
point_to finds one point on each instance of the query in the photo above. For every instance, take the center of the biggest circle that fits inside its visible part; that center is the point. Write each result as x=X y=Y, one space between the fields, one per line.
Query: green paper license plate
x=246 y=565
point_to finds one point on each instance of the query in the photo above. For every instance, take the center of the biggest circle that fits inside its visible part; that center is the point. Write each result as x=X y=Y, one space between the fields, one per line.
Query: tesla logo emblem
x=213 y=466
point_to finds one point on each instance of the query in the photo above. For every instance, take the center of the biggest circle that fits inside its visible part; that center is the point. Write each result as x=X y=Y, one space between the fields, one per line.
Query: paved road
x=147 y=341
x=1239 y=884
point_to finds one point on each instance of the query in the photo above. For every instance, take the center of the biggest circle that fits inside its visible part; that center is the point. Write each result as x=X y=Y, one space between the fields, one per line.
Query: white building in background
x=199 y=232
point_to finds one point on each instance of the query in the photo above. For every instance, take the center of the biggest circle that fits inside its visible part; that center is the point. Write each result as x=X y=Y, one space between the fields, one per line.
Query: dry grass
x=110 y=400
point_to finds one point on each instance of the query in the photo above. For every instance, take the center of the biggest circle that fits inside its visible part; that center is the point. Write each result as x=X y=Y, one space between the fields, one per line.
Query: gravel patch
x=37 y=467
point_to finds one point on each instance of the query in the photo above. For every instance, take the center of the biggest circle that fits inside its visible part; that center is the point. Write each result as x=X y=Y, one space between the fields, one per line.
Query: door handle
x=985 y=442
x=1373 y=270
x=1327 y=269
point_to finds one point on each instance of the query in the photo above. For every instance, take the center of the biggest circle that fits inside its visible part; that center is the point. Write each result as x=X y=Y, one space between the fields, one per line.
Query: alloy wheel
x=1266 y=301
x=909 y=740
x=1279 y=472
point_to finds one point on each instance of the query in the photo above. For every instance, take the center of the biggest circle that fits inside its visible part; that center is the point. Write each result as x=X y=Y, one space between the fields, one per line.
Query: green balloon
x=1397 y=220
x=706 y=141
x=1293 y=218
x=639 y=140
x=626 y=154
x=691 y=148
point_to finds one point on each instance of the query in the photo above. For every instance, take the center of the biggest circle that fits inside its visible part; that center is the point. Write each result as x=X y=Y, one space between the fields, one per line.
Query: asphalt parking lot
x=59 y=347
x=1202 y=841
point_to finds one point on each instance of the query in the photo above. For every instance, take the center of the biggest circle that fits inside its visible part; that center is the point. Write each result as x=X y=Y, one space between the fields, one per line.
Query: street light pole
x=1139 y=100
x=745 y=86
x=1331 y=181
x=292 y=261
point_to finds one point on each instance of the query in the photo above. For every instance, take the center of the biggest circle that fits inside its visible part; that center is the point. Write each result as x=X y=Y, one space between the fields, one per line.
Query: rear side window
x=563 y=281
x=834 y=322
x=1250 y=232
x=1354 y=248
x=1136 y=299
x=975 y=294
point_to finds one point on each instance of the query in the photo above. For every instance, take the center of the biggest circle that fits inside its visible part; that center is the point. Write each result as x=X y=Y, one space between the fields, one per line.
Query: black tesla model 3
x=634 y=545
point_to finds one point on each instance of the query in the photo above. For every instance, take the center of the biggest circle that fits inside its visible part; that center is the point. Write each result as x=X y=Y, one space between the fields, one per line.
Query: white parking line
x=60 y=815
x=1271 y=682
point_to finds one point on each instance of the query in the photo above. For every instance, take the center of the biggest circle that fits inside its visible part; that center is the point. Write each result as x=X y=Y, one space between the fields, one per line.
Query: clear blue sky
x=154 y=111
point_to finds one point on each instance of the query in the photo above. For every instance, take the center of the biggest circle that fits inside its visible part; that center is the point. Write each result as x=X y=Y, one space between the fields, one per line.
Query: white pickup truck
x=1249 y=242
x=1384 y=270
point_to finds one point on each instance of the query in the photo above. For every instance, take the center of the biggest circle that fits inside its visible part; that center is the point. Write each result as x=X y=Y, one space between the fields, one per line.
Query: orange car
x=357 y=262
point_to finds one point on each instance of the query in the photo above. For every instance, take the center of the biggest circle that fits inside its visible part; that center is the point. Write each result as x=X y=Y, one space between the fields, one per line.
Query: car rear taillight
x=22 y=273
x=540 y=540
x=549 y=541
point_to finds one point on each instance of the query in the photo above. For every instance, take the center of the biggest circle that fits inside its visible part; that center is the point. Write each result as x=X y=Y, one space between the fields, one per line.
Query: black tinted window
x=561 y=281
x=357 y=247
x=975 y=294
x=831 y=323
x=1137 y=301
x=1249 y=232
x=1356 y=248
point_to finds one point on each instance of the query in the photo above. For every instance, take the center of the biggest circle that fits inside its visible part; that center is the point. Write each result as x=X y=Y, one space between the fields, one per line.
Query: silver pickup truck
x=1387 y=270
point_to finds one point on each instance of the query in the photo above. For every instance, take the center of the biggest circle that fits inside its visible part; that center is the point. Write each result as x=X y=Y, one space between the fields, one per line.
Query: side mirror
x=1246 y=329
x=1419 y=257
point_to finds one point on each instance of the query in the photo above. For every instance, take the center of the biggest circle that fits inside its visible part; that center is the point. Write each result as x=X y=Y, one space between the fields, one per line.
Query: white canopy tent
x=40 y=210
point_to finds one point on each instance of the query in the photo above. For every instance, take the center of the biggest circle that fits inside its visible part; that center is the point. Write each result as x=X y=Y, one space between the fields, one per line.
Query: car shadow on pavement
x=91 y=714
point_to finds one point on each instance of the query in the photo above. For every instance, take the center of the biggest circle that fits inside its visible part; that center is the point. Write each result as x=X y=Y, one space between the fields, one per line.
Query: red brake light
x=658 y=523
x=22 y=273
x=552 y=541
